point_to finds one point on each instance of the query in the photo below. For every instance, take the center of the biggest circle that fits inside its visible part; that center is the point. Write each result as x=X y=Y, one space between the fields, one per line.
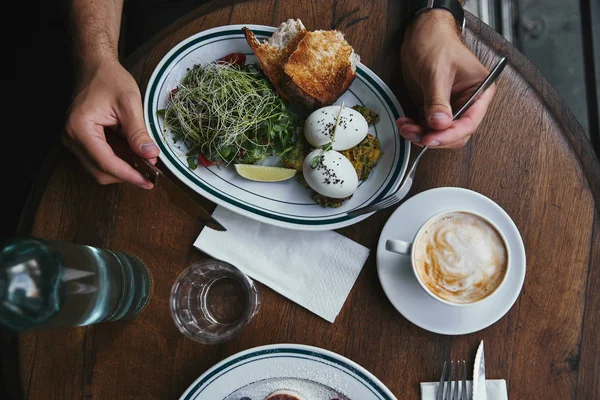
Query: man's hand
x=440 y=73
x=108 y=96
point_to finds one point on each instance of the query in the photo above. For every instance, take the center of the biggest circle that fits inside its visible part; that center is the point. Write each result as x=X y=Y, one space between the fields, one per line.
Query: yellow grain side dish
x=363 y=156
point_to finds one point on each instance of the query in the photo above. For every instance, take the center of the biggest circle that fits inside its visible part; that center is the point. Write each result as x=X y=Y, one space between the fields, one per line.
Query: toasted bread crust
x=298 y=96
x=321 y=66
x=272 y=59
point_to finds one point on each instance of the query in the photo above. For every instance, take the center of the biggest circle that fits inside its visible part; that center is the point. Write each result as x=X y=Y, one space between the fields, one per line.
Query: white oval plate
x=312 y=371
x=401 y=286
x=287 y=204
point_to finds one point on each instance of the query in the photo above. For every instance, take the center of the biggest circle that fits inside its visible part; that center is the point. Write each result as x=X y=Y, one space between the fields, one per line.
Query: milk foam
x=461 y=258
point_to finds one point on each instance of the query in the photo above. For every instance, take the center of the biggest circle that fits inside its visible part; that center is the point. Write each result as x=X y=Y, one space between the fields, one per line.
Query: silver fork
x=448 y=393
x=403 y=190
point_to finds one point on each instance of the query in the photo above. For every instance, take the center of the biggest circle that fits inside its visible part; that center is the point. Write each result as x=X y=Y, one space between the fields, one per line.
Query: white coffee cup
x=410 y=249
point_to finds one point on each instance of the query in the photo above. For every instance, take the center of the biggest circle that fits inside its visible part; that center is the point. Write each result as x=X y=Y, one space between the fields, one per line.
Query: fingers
x=459 y=144
x=436 y=99
x=121 y=134
x=110 y=98
x=409 y=130
x=99 y=159
x=457 y=134
x=132 y=124
x=463 y=127
x=100 y=177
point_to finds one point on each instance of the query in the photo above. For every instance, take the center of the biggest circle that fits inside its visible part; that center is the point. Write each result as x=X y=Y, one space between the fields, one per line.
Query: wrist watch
x=416 y=7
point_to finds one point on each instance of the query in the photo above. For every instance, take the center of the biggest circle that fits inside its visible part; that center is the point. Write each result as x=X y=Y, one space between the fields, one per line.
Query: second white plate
x=316 y=373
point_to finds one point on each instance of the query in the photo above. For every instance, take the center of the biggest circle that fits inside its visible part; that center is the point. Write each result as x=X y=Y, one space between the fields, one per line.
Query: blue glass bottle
x=45 y=284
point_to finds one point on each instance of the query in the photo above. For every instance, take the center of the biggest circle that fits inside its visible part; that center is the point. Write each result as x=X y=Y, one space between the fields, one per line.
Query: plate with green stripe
x=311 y=372
x=287 y=204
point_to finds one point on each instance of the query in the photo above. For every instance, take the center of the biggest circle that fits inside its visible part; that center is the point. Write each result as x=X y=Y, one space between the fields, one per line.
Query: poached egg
x=330 y=173
x=352 y=127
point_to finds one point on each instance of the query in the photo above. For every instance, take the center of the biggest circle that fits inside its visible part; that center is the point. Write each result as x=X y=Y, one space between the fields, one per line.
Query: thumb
x=436 y=101
x=132 y=124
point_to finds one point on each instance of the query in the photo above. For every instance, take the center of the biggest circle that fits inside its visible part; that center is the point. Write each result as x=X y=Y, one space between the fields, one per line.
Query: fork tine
x=440 y=392
x=464 y=382
x=455 y=391
x=447 y=395
x=380 y=205
x=385 y=203
x=394 y=200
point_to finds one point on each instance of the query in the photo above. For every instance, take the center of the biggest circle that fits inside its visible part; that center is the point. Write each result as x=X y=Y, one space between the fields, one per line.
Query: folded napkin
x=314 y=269
x=495 y=389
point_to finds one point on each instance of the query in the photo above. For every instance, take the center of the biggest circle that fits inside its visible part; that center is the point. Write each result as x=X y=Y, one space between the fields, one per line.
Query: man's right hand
x=108 y=97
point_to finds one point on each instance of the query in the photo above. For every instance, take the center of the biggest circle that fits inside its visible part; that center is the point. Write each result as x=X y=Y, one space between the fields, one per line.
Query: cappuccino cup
x=459 y=257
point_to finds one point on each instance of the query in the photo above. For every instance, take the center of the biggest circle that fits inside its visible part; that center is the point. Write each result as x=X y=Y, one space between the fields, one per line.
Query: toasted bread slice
x=322 y=67
x=274 y=52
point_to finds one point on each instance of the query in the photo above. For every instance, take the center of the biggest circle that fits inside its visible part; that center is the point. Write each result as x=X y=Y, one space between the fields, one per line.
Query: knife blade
x=176 y=195
x=479 y=386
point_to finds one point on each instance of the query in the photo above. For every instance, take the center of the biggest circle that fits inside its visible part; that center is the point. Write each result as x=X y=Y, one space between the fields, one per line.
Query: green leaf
x=315 y=161
x=337 y=121
x=225 y=151
x=191 y=160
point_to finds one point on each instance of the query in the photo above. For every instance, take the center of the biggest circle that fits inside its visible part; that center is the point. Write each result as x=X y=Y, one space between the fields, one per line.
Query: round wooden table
x=529 y=155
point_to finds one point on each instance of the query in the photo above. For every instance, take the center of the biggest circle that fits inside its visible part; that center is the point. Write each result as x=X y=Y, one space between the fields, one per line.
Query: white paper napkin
x=314 y=269
x=495 y=389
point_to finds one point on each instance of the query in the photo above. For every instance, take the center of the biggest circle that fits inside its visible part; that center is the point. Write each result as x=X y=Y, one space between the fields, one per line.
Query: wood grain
x=529 y=155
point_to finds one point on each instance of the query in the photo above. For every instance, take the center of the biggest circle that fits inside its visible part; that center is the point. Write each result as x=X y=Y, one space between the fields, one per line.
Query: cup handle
x=398 y=246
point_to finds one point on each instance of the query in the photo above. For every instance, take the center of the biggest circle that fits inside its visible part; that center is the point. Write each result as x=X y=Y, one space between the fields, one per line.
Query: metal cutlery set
x=453 y=382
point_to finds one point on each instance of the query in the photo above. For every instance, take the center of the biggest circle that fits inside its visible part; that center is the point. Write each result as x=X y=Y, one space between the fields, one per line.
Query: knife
x=479 y=389
x=176 y=195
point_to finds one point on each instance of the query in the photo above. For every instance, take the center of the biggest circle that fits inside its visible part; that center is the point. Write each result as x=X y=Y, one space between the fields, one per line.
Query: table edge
x=579 y=143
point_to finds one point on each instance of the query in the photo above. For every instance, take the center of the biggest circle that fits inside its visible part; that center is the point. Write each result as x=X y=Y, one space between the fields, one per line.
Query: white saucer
x=401 y=286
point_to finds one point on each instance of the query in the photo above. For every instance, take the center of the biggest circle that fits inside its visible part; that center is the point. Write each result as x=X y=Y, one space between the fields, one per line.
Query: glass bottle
x=45 y=284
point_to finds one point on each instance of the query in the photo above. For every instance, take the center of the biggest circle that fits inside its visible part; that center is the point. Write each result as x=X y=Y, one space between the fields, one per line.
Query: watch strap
x=416 y=7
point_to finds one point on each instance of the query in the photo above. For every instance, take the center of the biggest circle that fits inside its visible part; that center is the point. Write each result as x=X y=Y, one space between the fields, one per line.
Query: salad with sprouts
x=227 y=112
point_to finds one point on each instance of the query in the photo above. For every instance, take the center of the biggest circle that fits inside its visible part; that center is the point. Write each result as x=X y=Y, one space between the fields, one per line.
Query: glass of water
x=212 y=301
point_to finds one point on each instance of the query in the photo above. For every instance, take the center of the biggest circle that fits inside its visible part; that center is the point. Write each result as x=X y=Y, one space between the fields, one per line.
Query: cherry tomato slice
x=234 y=58
x=205 y=162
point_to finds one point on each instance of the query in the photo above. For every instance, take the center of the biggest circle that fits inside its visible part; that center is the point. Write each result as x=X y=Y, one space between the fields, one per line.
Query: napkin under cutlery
x=314 y=269
x=495 y=388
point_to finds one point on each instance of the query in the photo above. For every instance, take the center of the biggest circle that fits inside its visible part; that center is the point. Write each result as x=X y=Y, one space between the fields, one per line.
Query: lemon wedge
x=263 y=173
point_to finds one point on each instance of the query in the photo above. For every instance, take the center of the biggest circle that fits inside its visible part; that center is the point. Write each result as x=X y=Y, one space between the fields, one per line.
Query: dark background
x=560 y=37
x=37 y=76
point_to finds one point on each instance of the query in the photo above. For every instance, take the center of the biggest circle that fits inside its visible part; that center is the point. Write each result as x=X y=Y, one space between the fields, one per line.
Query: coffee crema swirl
x=461 y=258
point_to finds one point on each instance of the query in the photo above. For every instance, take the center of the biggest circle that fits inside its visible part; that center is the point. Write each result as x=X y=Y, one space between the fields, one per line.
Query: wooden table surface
x=529 y=155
